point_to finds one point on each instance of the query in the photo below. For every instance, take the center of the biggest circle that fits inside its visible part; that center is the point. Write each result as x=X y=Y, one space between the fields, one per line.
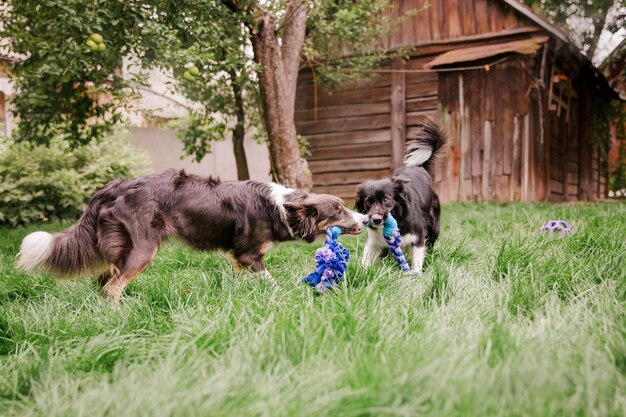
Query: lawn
x=503 y=322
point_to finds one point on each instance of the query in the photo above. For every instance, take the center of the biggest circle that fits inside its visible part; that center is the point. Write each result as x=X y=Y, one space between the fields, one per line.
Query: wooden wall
x=348 y=132
x=445 y=20
x=489 y=123
x=507 y=141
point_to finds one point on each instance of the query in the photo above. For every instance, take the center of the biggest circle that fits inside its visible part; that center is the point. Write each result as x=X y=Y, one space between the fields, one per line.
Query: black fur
x=408 y=195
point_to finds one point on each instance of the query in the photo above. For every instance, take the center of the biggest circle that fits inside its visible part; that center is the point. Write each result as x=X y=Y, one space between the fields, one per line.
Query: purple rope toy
x=331 y=262
x=554 y=226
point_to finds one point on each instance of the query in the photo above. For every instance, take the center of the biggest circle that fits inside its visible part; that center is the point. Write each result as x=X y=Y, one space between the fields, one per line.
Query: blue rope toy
x=392 y=236
x=331 y=262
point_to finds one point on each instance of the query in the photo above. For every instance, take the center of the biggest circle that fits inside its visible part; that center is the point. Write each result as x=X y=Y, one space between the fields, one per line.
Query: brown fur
x=124 y=223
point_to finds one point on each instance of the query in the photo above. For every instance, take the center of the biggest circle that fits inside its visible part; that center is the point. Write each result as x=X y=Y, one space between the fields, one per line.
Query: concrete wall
x=165 y=150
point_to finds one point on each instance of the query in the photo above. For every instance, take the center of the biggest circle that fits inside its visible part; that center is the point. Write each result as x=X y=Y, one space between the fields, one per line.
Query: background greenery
x=39 y=182
x=502 y=322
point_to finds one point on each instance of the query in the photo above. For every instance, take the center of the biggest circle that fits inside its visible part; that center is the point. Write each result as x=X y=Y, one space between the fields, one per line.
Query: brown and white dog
x=124 y=223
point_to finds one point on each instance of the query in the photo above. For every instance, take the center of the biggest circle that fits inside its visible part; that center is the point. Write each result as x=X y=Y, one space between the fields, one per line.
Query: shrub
x=41 y=183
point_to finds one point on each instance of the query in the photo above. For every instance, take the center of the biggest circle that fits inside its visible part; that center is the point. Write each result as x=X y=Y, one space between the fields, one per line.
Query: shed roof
x=525 y=47
x=540 y=20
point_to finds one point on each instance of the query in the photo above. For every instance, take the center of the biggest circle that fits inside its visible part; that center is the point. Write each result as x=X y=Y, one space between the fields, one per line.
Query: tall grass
x=503 y=322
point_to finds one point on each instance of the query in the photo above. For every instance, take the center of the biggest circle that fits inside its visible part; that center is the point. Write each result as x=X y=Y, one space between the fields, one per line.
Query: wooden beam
x=486 y=175
x=398 y=114
x=526 y=159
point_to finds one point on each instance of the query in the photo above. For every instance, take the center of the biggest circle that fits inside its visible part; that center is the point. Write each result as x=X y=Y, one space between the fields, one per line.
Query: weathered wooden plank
x=422 y=89
x=350 y=151
x=306 y=86
x=344 y=124
x=469 y=17
x=356 y=164
x=349 y=110
x=342 y=191
x=455 y=154
x=398 y=114
x=466 y=162
x=507 y=123
x=556 y=187
x=482 y=16
x=487 y=174
x=427 y=103
x=498 y=129
x=417 y=62
x=397 y=32
x=339 y=98
x=453 y=20
x=511 y=19
x=526 y=166
x=515 y=190
x=572 y=190
x=418 y=118
x=421 y=22
x=349 y=138
x=436 y=18
x=556 y=173
x=350 y=177
x=502 y=187
x=476 y=125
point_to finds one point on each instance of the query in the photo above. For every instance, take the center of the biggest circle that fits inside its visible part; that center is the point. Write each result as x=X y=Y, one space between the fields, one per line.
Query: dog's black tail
x=72 y=251
x=423 y=150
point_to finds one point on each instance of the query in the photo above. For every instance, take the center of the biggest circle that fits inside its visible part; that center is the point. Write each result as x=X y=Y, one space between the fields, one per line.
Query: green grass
x=503 y=322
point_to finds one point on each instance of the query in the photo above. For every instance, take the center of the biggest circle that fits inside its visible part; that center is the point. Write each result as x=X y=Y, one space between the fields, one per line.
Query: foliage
x=209 y=36
x=617 y=168
x=39 y=182
x=343 y=38
x=62 y=84
x=197 y=132
x=502 y=322
x=584 y=20
x=64 y=89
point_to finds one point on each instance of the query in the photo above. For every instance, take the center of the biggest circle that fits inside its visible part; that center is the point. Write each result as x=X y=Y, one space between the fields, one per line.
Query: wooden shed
x=514 y=94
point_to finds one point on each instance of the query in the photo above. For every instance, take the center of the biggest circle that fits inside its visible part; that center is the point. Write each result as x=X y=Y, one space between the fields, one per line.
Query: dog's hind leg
x=135 y=263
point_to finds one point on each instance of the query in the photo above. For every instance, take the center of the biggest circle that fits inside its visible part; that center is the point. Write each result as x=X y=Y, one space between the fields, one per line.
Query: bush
x=39 y=183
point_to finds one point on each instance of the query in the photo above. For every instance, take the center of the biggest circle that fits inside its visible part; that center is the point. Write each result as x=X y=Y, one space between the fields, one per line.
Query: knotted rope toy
x=331 y=262
x=554 y=226
x=392 y=236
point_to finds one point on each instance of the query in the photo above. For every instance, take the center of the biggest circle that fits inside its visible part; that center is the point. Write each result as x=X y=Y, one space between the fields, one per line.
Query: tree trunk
x=278 y=78
x=239 y=131
x=599 y=22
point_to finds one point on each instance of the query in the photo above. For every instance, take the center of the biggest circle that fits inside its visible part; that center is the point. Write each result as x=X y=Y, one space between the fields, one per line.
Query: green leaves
x=343 y=38
x=65 y=86
x=583 y=19
x=39 y=183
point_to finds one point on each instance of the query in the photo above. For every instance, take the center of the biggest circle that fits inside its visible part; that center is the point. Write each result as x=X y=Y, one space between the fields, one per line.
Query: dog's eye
x=338 y=209
x=386 y=200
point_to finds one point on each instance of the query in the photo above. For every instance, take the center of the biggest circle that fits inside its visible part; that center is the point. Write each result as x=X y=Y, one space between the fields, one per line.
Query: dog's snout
x=377 y=219
x=359 y=218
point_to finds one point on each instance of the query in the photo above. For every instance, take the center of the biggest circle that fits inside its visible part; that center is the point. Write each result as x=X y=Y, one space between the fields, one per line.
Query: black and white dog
x=409 y=196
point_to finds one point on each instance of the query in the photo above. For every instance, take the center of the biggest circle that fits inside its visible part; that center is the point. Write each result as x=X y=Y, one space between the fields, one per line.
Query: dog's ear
x=303 y=219
x=398 y=183
x=359 y=202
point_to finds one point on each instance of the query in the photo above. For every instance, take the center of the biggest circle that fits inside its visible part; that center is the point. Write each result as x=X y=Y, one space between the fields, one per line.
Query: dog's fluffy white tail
x=35 y=250
x=423 y=149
